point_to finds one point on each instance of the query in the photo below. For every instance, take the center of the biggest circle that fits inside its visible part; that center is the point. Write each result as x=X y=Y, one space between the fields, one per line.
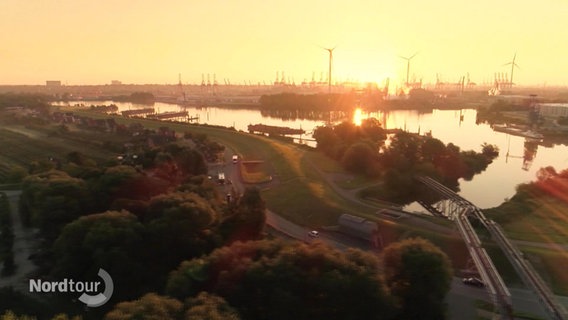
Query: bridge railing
x=527 y=272
x=495 y=285
x=488 y=272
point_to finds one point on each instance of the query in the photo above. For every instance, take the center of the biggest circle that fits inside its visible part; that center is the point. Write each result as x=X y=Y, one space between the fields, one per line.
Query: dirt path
x=24 y=242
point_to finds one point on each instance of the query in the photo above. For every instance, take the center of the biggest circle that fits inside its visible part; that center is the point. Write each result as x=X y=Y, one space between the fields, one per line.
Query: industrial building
x=359 y=228
x=553 y=110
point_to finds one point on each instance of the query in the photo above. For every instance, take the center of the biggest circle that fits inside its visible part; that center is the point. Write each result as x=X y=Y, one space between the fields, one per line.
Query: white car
x=235 y=158
x=313 y=234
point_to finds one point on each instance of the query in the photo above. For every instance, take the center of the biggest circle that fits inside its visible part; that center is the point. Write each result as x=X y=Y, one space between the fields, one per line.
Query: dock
x=262 y=128
x=130 y=113
x=168 y=115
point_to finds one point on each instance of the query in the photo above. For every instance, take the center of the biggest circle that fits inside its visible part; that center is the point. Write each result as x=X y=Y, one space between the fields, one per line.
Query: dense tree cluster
x=6 y=237
x=278 y=280
x=204 y=306
x=137 y=220
x=137 y=97
x=311 y=101
x=409 y=155
x=174 y=219
x=418 y=274
x=355 y=147
x=38 y=102
x=361 y=149
x=52 y=199
x=245 y=221
x=209 y=149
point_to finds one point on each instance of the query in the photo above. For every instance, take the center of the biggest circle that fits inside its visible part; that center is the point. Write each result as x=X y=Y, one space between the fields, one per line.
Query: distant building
x=553 y=110
x=116 y=82
x=360 y=228
x=53 y=83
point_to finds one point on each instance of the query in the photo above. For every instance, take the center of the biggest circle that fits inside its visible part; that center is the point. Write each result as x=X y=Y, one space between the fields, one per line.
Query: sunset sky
x=149 y=41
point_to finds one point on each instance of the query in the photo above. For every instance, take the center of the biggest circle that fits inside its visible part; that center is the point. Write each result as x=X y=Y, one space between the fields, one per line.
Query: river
x=518 y=162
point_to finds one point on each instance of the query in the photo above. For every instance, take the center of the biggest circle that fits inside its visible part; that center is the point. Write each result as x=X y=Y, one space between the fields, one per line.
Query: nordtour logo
x=87 y=288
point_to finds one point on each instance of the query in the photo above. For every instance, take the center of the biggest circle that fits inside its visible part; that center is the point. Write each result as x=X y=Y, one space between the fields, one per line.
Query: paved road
x=25 y=240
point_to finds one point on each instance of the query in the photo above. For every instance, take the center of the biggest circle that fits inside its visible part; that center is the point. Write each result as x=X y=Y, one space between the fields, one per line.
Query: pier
x=271 y=130
x=180 y=115
x=136 y=112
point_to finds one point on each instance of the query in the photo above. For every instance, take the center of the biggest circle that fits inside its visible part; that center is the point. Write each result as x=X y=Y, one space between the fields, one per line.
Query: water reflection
x=357 y=117
x=292 y=115
x=459 y=127
x=530 y=148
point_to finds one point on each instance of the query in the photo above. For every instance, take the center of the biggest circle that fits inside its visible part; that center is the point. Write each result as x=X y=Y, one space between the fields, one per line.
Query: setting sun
x=357 y=117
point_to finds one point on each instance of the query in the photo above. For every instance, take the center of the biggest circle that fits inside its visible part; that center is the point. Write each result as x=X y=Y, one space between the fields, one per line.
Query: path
x=351 y=195
x=25 y=240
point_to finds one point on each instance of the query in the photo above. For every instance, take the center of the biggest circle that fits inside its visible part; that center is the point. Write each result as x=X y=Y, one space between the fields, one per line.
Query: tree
x=359 y=158
x=15 y=174
x=247 y=221
x=279 y=280
x=491 y=151
x=116 y=182
x=432 y=150
x=9 y=315
x=209 y=307
x=150 y=307
x=419 y=276
x=373 y=130
x=110 y=240
x=326 y=139
x=180 y=226
x=52 y=199
x=406 y=144
x=191 y=162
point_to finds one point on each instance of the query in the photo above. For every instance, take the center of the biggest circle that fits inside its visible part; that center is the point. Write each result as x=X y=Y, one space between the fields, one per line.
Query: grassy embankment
x=543 y=220
x=22 y=146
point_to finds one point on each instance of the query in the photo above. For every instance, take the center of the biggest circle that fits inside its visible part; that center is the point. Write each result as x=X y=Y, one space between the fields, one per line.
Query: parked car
x=235 y=158
x=313 y=234
x=473 y=282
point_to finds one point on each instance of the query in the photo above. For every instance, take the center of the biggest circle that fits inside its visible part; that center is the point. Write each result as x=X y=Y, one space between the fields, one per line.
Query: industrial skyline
x=81 y=42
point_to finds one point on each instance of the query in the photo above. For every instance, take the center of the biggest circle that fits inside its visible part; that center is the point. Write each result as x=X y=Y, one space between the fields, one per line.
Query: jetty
x=273 y=130
x=137 y=112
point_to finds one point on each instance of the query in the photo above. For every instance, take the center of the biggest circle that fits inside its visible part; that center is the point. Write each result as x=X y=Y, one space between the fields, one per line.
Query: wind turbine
x=408 y=65
x=330 y=50
x=513 y=65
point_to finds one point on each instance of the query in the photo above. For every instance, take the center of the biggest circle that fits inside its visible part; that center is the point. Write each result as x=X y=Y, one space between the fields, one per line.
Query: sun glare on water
x=357 y=117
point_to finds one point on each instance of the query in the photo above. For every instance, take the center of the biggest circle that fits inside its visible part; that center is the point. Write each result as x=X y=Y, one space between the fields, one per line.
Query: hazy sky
x=150 y=41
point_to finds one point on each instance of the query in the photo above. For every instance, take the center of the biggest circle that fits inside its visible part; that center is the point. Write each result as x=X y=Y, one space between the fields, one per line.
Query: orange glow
x=81 y=42
x=357 y=117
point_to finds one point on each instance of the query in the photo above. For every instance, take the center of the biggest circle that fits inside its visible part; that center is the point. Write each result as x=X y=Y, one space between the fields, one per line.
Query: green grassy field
x=21 y=146
x=538 y=218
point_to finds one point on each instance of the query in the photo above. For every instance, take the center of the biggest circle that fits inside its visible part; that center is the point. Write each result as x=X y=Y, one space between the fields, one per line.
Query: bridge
x=458 y=209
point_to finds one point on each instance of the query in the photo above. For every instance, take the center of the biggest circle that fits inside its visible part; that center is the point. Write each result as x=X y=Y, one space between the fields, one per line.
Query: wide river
x=487 y=189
